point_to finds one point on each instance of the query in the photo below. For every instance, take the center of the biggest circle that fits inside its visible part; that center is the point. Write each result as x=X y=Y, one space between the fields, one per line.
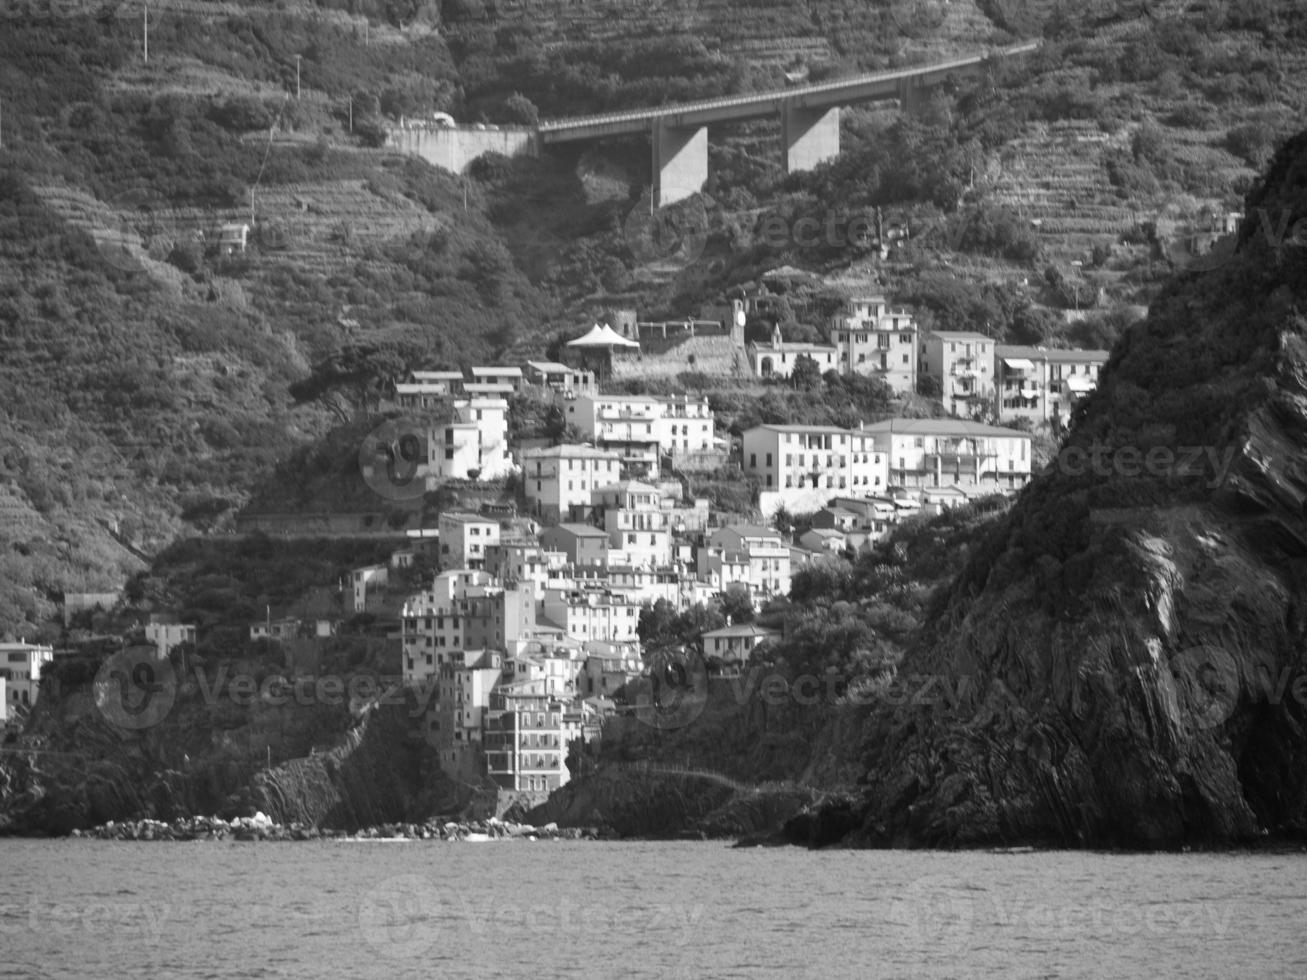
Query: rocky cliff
x=328 y=764
x=1133 y=630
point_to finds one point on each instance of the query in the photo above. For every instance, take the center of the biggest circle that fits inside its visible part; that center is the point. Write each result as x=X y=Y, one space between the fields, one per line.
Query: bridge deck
x=761 y=104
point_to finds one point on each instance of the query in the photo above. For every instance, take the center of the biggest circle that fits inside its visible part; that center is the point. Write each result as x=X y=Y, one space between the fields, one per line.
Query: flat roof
x=741 y=629
x=943 y=427
x=958 y=335
x=555 y=367
x=581 y=530
x=497 y=371
x=1056 y=354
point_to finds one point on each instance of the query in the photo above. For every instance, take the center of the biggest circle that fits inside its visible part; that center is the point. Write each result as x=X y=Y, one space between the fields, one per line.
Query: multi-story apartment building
x=428 y=389
x=801 y=465
x=608 y=667
x=521 y=561
x=473 y=444
x=371 y=579
x=636 y=522
x=561 y=378
x=1042 y=384
x=456 y=716
x=584 y=545
x=873 y=339
x=559 y=480
x=20 y=676
x=499 y=374
x=962 y=361
x=776 y=358
x=728 y=549
x=555 y=675
x=642 y=428
x=594 y=613
x=953 y=452
x=463 y=610
x=526 y=738
x=465 y=538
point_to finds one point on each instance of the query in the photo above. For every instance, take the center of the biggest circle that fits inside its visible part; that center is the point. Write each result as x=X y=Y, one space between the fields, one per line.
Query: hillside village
x=530 y=627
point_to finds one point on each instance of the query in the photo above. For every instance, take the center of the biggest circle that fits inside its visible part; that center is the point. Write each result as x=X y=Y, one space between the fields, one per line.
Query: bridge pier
x=680 y=161
x=809 y=136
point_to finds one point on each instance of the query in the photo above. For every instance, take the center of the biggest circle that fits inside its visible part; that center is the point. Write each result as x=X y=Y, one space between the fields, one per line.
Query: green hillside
x=145 y=379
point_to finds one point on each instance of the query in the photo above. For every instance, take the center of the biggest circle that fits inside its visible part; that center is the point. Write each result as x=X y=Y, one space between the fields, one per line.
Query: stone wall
x=717 y=357
x=453 y=148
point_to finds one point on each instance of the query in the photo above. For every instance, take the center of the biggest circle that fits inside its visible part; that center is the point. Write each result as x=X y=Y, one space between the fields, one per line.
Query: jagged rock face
x=1131 y=638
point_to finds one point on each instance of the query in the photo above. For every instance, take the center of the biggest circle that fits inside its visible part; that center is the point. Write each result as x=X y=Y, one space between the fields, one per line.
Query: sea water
x=545 y=909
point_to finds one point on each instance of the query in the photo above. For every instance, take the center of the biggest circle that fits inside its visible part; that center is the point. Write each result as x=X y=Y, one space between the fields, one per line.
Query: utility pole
x=297 y=78
x=145 y=23
x=351 y=113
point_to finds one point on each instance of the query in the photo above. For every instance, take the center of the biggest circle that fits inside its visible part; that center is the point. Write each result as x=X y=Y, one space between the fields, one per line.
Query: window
x=753 y=461
x=769 y=459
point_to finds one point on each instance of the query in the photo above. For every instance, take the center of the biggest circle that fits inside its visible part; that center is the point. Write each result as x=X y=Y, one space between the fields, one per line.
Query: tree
x=520 y=110
x=806 y=374
x=736 y=605
x=354 y=376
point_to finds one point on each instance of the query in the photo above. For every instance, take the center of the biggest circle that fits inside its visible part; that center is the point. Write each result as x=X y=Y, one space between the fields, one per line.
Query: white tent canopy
x=602 y=336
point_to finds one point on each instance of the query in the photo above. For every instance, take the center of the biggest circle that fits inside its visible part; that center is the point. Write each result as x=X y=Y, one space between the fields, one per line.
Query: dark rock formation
x=1132 y=636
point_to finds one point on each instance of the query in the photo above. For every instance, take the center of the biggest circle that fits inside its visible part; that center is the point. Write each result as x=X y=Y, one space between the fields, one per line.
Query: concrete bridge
x=810 y=119
x=809 y=114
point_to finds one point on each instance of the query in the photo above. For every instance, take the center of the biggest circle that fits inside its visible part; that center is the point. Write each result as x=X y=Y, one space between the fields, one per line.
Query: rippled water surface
x=585 y=909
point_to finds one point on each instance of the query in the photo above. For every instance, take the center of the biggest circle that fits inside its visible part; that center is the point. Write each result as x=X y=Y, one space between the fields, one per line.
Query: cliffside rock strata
x=1134 y=630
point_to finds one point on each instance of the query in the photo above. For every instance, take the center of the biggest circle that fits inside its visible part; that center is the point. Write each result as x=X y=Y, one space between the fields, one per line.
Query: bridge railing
x=723 y=102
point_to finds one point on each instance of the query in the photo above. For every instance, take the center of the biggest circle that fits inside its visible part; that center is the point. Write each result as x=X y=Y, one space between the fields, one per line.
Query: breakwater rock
x=261 y=827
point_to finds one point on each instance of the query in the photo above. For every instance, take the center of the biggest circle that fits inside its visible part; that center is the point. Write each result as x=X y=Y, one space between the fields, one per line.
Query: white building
x=962 y=361
x=874 y=340
x=362 y=580
x=463 y=610
x=559 y=480
x=167 y=635
x=750 y=555
x=732 y=645
x=20 y=674
x=527 y=737
x=473 y=444
x=776 y=358
x=636 y=522
x=643 y=428
x=594 y=613
x=953 y=452
x=465 y=538
x=802 y=466
x=561 y=378
x=499 y=374
x=1042 y=384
